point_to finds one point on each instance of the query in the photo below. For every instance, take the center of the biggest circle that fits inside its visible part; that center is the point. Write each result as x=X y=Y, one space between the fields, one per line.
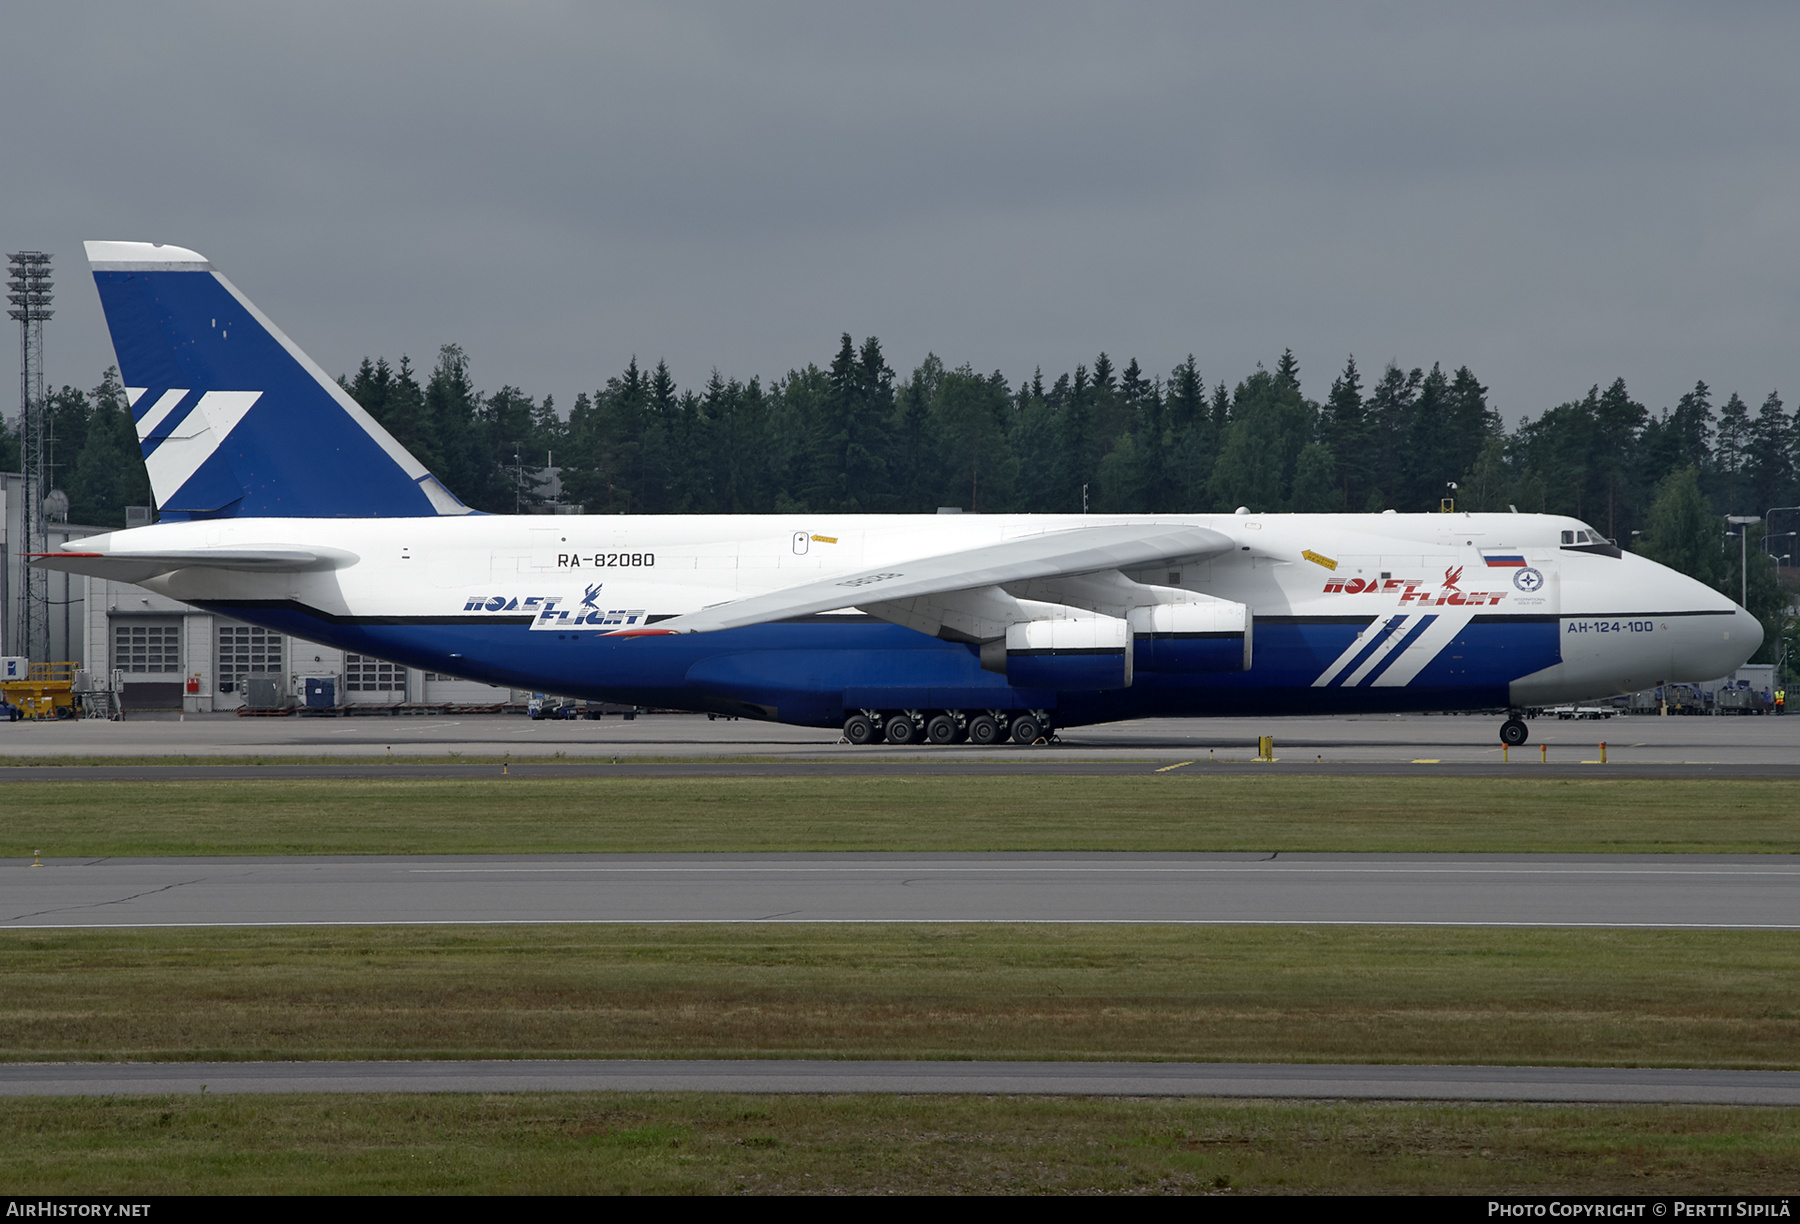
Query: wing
x=1081 y=550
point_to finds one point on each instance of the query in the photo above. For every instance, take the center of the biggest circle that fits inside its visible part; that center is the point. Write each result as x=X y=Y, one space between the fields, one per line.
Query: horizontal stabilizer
x=137 y=566
x=1082 y=550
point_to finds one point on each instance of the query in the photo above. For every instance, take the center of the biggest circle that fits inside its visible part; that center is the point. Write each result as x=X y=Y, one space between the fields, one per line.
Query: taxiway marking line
x=1103 y=868
x=784 y=921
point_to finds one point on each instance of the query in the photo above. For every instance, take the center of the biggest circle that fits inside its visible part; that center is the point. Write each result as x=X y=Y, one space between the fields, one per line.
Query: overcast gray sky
x=1554 y=195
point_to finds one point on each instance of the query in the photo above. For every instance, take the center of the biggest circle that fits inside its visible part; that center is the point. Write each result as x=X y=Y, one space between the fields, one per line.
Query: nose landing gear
x=1514 y=732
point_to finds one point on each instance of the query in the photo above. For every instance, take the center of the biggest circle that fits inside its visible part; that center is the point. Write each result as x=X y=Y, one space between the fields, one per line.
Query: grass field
x=1175 y=811
x=1333 y=994
x=583 y=1144
x=1469 y=995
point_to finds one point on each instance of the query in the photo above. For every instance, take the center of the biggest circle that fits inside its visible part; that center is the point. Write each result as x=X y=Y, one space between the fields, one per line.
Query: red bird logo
x=1452 y=577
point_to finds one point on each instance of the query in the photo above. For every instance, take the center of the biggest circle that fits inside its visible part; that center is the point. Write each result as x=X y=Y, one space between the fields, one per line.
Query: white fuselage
x=1624 y=623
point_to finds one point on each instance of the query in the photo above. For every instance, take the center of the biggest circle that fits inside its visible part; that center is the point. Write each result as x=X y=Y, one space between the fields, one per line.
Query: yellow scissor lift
x=47 y=691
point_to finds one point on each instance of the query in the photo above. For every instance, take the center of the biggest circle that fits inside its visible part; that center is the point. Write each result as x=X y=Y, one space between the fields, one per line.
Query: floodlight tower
x=28 y=288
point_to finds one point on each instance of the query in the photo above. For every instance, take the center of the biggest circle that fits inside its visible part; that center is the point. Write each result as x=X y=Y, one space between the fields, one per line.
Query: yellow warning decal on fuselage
x=1316 y=559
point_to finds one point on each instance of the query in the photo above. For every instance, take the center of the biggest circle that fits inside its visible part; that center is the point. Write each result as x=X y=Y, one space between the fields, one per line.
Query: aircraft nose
x=1707 y=644
x=1719 y=649
x=1746 y=633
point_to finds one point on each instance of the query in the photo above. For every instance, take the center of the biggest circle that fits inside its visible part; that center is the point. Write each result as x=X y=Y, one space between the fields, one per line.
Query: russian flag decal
x=1504 y=560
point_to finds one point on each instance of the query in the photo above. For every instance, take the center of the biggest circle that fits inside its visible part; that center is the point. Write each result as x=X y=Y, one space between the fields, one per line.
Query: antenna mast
x=28 y=294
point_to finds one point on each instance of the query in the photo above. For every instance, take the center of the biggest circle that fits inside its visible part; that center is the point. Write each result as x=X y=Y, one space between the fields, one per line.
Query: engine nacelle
x=1193 y=637
x=1089 y=652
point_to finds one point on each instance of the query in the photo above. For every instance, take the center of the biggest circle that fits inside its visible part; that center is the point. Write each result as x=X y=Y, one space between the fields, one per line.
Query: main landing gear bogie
x=1514 y=732
x=981 y=728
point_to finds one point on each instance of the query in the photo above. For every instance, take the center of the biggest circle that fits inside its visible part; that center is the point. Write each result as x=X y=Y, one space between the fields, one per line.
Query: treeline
x=855 y=437
x=90 y=452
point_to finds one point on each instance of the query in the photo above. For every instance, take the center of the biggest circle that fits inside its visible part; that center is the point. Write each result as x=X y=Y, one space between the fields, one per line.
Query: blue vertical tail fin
x=234 y=420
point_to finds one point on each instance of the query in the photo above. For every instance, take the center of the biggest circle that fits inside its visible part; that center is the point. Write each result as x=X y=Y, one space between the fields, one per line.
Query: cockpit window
x=1585 y=539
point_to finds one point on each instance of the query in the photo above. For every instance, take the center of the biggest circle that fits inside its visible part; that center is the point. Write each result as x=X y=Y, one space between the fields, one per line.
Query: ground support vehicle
x=46 y=691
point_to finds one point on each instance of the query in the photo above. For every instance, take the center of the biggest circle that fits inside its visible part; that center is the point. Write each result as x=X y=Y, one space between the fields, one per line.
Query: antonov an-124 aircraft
x=284 y=504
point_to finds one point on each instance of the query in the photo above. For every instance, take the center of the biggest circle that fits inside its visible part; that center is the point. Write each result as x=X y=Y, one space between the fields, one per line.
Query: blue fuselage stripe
x=809 y=672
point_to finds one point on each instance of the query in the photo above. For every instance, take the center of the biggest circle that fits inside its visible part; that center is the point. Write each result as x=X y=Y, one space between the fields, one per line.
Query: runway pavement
x=1551 y=1084
x=1528 y=890
x=689 y=745
x=913 y=768
x=1663 y=891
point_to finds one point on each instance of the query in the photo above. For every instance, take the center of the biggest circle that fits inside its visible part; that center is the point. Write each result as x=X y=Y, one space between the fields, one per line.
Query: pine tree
x=1683 y=437
x=604 y=437
x=1560 y=446
x=1619 y=421
x=1191 y=448
x=850 y=437
x=1271 y=424
x=1287 y=371
x=1344 y=427
x=506 y=419
x=874 y=420
x=1032 y=438
x=969 y=414
x=1428 y=461
x=370 y=388
x=1148 y=460
x=1730 y=456
x=454 y=407
x=797 y=419
x=757 y=463
x=1075 y=440
x=1468 y=421
x=1187 y=394
x=1770 y=466
x=652 y=474
x=1110 y=417
x=1388 y=410
x=913 y=461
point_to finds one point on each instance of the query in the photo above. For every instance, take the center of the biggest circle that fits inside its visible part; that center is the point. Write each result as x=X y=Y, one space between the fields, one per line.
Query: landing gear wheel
x=983 y=730
x=1025 y=731
x=859 y=729
x=900 y=730
x=1514 y=732
x=941 y=730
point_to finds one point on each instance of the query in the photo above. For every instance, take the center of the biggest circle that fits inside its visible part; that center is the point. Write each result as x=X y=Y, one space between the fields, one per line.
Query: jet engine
x=1088 y=652
x=1189 y=638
